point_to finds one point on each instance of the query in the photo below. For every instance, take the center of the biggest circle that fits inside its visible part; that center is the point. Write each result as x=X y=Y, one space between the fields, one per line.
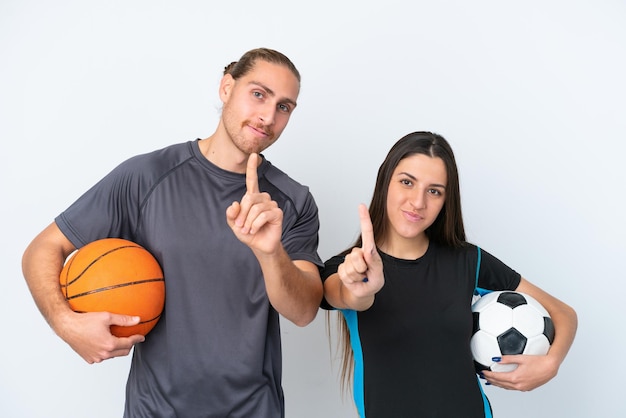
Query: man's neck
x=220 y=150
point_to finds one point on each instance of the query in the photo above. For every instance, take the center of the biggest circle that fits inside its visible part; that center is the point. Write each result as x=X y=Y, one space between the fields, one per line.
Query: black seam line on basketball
x=102 y=289
x=67 y=272
x=96 y=259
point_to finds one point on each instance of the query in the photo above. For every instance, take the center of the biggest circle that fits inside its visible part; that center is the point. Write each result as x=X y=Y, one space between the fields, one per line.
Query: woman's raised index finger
x=367 y=230
x=252 y=179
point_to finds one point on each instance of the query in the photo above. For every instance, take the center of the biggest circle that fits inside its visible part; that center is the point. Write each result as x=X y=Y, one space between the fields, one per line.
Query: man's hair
x=240 y=68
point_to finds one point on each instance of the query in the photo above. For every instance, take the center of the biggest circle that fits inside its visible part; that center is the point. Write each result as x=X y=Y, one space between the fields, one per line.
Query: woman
x=405 y=290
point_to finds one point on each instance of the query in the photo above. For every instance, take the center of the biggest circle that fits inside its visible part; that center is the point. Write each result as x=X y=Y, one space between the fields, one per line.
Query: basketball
x=118 y=276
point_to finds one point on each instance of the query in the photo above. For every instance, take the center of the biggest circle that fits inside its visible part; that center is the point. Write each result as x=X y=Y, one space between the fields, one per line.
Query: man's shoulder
x=161 y=159
x=281 y=179
x=182 y=150
x=287 y=185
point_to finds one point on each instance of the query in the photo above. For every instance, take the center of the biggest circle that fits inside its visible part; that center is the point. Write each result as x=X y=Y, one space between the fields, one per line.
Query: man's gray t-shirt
x=216 y=350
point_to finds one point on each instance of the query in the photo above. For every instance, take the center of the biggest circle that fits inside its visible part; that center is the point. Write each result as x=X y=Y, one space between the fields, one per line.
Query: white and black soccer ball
x=505 y=323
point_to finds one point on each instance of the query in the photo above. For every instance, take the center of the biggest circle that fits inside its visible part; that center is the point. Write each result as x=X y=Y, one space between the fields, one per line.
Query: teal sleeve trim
x=477 y=269
x=479 y=291
x=486 y=403
x=355 y=341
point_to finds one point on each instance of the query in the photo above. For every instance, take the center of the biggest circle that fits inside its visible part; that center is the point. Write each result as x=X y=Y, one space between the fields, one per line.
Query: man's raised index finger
x=252 y=179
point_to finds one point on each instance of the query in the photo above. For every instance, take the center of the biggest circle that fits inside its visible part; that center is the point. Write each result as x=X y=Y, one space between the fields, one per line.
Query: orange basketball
x=118 y=276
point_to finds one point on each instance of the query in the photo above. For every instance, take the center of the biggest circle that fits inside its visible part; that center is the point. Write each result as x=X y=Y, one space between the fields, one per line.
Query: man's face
x=258 y=105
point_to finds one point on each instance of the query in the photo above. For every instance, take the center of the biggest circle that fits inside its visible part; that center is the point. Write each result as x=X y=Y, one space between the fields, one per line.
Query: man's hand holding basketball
x=361 y=273
x=90 y=336
x=256 y=220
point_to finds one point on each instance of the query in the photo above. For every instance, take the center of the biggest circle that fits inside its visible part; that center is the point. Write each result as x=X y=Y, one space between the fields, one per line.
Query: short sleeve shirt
x=412 y=346
x=216 y=351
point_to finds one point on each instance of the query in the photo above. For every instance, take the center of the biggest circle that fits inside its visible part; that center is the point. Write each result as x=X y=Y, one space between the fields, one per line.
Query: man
x=232 y=264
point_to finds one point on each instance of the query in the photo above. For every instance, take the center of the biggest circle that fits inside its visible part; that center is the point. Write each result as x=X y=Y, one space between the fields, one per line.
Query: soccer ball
x=507 y=322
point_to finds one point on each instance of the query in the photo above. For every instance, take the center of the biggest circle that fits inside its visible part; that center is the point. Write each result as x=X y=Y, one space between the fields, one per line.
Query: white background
x=530 y=94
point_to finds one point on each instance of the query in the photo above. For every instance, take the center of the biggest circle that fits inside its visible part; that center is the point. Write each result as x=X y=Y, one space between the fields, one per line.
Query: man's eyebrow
x=271 y=92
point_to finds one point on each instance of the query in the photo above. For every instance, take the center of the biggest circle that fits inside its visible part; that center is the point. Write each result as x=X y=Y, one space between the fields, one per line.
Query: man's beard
x=256 y=145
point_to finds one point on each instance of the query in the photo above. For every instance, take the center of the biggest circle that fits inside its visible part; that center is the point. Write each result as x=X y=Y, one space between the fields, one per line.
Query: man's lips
x=260 y=131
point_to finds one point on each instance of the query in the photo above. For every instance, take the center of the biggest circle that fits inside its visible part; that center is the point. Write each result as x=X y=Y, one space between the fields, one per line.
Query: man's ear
x=226 y=87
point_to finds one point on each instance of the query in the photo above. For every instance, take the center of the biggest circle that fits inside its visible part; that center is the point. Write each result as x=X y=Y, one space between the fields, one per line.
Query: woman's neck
x=407 y=249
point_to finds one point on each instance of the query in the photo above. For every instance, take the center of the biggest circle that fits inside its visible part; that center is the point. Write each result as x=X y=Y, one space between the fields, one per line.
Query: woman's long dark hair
x=447 y=229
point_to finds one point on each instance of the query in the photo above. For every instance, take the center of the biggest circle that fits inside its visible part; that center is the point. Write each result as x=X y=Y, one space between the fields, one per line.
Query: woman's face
x=416 y=194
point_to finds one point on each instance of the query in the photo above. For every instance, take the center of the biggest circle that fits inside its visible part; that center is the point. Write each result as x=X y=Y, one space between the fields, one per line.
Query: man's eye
x=284 y=108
